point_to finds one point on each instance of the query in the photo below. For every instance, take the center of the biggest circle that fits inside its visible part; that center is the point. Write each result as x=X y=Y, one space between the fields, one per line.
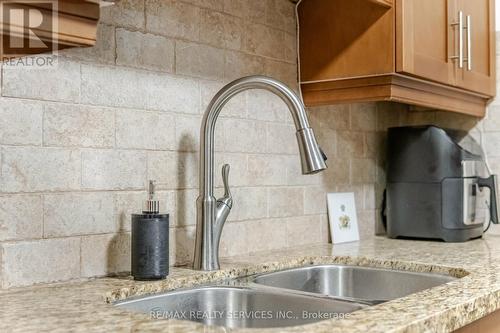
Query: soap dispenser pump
x=150 y=232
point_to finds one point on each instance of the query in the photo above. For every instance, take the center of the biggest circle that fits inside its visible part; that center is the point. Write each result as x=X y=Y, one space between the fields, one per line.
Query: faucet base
x=206 y=252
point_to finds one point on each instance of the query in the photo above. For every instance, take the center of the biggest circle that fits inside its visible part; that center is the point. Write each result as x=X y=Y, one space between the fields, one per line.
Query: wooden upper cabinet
x=407 y=51
x=36 y=27
x=435 y=42
x=385 y=3
x=424 y=40
x=478 y=75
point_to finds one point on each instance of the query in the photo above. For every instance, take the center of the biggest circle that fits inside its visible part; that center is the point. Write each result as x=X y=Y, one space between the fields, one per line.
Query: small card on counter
x=342 y=217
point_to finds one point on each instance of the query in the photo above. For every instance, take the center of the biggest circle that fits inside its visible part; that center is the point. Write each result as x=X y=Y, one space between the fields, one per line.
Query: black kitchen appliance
x=435 y=181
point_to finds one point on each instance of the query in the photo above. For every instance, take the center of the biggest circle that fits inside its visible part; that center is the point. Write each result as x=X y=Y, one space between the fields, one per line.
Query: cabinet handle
x=469 y=43
x=460 y=24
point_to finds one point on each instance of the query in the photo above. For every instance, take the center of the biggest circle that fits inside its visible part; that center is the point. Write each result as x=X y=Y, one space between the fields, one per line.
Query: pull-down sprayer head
x=311 y=157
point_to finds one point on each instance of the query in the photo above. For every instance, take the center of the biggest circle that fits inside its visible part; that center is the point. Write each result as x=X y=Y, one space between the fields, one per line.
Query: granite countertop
x=85 y=305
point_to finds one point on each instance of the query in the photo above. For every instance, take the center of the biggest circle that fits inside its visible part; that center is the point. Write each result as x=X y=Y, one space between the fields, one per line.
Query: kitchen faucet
x=212 y=213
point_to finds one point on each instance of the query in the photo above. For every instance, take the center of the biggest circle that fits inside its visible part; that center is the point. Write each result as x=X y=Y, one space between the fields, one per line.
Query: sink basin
x=239 y=307
x=369 y=285
x=290 y=297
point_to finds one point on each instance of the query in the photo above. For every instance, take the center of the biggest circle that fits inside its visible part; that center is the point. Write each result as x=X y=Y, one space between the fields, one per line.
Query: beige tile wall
x=79 y=143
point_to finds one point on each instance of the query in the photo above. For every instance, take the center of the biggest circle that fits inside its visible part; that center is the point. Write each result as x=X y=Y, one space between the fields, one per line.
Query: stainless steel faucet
x=211 y=212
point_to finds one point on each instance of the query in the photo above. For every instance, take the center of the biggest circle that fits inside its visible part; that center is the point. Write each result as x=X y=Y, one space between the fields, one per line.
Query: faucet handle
x=225 y=179
x=228 y=197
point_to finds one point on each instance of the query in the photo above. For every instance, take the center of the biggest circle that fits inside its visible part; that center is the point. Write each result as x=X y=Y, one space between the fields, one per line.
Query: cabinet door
x=479 y=44
x=425 y=39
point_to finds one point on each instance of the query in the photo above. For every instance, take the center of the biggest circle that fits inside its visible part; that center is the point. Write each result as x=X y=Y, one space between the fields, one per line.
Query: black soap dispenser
x=150 y=231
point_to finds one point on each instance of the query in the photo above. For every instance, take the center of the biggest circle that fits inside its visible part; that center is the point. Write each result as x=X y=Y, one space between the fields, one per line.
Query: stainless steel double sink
x=290 y=297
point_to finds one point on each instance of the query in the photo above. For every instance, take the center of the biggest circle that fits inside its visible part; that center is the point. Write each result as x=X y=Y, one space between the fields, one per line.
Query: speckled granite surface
x=84 y=305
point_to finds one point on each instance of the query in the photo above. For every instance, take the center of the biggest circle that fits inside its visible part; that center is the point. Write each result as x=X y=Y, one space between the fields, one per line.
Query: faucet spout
x=212 y=213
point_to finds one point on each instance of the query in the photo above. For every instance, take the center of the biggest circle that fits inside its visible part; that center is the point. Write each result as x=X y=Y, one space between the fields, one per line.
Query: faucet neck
x=207 y=134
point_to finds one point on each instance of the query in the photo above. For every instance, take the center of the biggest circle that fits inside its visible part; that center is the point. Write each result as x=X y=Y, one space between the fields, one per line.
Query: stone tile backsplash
x=79 y=143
